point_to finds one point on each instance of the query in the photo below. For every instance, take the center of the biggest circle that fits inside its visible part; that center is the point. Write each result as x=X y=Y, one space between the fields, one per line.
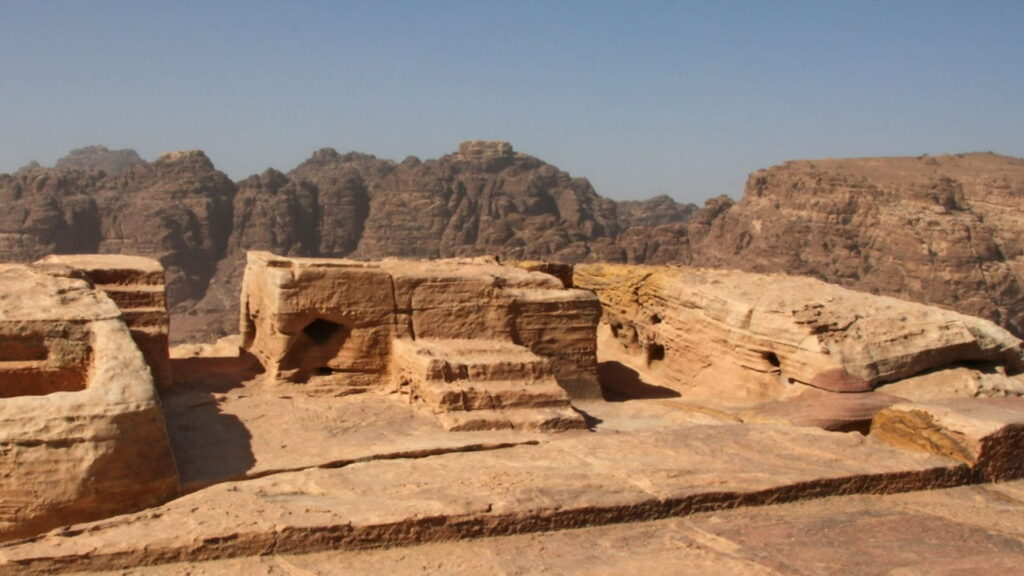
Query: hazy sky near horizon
x=642 y=98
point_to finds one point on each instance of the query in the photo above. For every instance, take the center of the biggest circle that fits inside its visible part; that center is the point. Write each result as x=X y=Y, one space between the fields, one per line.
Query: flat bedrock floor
x=276 y=471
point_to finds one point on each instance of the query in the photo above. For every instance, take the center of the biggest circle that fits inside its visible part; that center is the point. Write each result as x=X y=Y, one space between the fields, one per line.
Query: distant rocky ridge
x=943 y=230
x=100 y=158
x=484 y=199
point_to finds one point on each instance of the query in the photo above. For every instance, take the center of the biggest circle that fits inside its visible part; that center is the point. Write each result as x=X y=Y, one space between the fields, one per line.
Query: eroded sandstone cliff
x=941 y=230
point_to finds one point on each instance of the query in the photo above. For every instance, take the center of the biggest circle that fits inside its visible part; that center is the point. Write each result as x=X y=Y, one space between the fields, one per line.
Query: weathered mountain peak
x=100 y=158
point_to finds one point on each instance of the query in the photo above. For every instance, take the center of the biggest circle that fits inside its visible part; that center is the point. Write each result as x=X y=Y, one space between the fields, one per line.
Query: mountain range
x=944 y=230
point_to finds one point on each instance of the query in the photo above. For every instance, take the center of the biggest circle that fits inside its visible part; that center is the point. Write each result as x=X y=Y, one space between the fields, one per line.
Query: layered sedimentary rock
x=742 y=337
x=270 y=212
x=46 y=211
x=484 y=199
x=344 y=320
x=82 y=435
x=943 y=230
x=137 y=286
x=574 y=480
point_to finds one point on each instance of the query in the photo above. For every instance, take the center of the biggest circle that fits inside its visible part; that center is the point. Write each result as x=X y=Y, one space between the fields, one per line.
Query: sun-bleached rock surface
x=732 y=336
x=82 y=434
x=975 y=380
x=572 y=480
x=483 y=384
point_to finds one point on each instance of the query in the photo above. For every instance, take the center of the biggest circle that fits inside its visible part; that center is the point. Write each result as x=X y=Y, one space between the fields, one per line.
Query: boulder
x=749 y=338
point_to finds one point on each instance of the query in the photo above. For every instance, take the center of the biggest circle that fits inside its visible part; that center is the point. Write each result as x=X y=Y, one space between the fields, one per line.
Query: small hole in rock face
x=320 y=330
x=772 y=359
x=655 y=319
x=655 y=352
x=324 y=371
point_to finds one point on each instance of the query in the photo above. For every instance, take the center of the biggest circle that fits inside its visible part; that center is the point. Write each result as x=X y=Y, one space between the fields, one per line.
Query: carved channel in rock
x=27 y=368
x=16 y=348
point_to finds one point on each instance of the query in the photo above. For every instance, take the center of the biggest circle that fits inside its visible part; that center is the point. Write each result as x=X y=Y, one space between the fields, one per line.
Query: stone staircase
x=138 y=288
x=482 y=385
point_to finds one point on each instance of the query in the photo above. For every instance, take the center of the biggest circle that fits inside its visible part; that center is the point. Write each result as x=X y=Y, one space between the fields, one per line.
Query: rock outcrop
x=450 y=331
x=484 y=199
x=100 y=158
x=292 y=461
x=940 y=230
x=736 y=337
x=82 y=435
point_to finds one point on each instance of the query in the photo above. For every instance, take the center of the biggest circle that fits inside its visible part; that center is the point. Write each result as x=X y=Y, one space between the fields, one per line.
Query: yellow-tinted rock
x=986 y=433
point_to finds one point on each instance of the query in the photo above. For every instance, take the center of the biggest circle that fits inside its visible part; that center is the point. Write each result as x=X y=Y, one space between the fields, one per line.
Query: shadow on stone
x=620 y=383
x=214 y=373
x=591 y=421
x=209 y=446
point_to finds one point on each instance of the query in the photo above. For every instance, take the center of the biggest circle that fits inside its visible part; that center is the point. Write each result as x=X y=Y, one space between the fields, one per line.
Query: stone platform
x=724 y=428
x=405 y=481
x=955 y=532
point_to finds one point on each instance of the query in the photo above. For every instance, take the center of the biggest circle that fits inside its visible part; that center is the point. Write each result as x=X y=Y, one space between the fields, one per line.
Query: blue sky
x=643 y=98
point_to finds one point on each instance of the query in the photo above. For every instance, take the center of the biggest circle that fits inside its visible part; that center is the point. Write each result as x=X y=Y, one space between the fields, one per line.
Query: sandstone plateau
x=940 y=230
x=461 y=416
